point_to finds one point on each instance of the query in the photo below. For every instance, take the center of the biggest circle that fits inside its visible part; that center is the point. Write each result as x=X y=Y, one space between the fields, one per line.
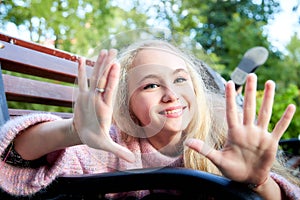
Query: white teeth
x=173 y=111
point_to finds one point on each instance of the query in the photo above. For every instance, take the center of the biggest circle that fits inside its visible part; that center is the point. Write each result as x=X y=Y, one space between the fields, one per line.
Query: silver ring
x=100 y=90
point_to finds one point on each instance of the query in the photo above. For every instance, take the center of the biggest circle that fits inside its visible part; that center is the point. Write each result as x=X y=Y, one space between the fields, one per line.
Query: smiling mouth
x=172 y=113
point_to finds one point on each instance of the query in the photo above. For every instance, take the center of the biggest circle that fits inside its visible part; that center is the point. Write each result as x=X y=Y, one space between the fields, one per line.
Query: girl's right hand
x=93 y=109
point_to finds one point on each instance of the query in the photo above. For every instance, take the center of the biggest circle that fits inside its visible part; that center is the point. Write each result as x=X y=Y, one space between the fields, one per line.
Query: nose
x=169 y=96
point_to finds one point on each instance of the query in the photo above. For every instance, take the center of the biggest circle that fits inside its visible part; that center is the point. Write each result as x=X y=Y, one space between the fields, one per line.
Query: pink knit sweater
x=84 y=160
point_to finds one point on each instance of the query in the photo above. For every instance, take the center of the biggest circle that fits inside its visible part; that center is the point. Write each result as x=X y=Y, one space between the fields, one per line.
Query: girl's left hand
x=250 y=149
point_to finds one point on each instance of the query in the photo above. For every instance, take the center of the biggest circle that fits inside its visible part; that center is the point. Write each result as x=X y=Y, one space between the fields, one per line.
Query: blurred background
x=225 y=29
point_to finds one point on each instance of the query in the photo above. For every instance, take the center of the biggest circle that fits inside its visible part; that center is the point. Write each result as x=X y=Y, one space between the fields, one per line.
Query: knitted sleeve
x=27 y=181
x=80 y=159
x=22 y=181
x=291 y=191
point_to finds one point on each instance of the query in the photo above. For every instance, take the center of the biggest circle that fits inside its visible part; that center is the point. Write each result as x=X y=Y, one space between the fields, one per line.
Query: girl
x=160 y=114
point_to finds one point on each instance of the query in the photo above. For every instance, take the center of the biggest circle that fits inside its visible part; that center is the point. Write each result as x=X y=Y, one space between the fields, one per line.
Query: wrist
x=73 y=133
x=268 y=189
x=258 y=185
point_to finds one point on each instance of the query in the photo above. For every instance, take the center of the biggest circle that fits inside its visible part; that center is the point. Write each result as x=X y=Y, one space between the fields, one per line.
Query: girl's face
x=161 y=92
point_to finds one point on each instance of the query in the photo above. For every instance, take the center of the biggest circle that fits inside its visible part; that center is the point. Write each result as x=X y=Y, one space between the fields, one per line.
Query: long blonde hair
x=203 y=124
x=207 y=124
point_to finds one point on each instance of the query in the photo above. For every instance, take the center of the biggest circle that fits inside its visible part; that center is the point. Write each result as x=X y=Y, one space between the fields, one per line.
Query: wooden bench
x=32 y=73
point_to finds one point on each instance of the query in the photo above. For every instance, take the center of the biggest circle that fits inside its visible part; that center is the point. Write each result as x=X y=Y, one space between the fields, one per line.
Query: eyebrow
x=157 y=77
x=180 y=70
x=147 y=77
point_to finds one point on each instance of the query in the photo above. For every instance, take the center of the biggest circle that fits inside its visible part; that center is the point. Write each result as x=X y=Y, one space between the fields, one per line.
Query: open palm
x=250 y=149
x=93 y=109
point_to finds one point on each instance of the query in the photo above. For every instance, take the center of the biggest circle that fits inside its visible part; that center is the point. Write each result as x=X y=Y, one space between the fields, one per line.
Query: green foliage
x=249 y=35
x=39 y=107
x=73 y=25
x=289 y=95
x=212 y=17
x=292 y=62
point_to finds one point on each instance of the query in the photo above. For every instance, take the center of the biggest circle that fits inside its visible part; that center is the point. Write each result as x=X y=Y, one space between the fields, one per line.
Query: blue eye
x=180 y=80
x=151 y=86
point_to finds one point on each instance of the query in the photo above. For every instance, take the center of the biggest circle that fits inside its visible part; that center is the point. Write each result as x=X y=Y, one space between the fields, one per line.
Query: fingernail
x=188 y=142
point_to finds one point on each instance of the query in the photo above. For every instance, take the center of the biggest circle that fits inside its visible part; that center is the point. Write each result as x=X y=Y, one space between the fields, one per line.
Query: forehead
x=159 y=56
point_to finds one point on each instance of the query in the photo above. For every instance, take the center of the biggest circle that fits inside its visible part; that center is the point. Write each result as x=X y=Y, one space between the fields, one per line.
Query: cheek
x=188 y=94
x=189 y=98
x=141 y=109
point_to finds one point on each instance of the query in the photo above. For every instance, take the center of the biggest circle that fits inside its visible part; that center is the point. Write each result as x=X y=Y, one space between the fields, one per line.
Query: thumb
x=199 y=146
x=122 y=152
x=204 y=149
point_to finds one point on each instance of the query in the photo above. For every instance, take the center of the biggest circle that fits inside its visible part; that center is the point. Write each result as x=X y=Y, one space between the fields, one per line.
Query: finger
x=82 y=78
x=105 y=68
x=265 y=111
x=231 y=110
x=284 y=121
x=96 y=68
x=204 y=150
x=107 y=144
x=112 y=53
x=113 y=78
x=250 y=99
x=122 y=152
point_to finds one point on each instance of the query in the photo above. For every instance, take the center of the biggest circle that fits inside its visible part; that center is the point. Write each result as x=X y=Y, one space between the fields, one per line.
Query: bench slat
x=38 y=47
x=33 y=91
x=27 y=61
x=23 y=60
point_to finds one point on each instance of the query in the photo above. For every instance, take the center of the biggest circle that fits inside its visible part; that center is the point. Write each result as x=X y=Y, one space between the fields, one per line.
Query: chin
x=173 y=129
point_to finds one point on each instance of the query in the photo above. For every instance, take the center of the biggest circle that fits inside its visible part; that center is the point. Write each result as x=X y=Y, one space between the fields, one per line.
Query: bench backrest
x=32 y=73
